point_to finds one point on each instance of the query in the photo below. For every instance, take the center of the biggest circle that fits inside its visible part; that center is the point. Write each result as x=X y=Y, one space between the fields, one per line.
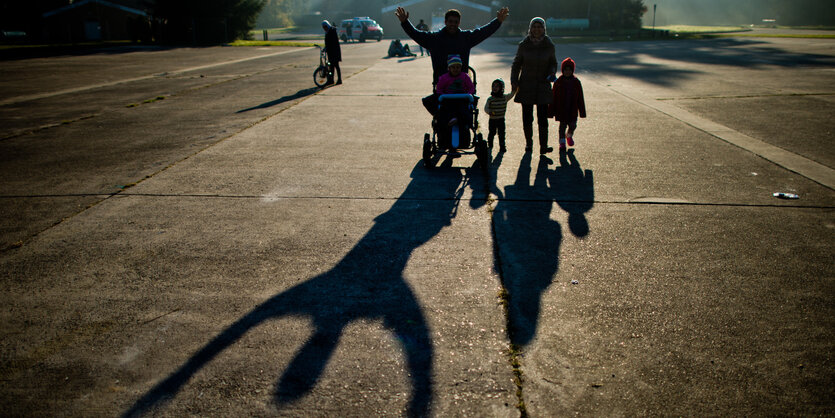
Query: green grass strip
x=699 y=29
x=271 y=43
x=778 y=35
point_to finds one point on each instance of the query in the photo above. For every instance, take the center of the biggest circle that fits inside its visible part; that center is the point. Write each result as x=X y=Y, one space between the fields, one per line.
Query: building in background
x=97 y=20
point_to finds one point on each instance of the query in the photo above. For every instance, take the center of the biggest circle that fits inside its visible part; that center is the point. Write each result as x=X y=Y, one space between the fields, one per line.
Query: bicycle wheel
x=320 y=76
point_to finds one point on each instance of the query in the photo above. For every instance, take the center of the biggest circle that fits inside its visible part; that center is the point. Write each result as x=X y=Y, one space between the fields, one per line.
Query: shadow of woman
x=367 y=283
x=527 y=242
x=574 y=191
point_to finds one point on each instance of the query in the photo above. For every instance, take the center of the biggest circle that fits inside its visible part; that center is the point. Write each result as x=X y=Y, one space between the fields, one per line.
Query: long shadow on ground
x=367 y=283
x=298 y=95
x=527 y=239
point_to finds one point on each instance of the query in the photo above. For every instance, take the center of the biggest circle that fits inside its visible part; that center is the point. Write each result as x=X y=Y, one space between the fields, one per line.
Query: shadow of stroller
x=527 y=242
x=574 y=191
x=367 y=283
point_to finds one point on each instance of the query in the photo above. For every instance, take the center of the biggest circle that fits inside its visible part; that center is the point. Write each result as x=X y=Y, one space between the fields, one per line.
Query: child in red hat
x=567 y=102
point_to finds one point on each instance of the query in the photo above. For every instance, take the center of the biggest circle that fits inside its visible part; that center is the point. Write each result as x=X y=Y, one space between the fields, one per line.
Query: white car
x=373 y=30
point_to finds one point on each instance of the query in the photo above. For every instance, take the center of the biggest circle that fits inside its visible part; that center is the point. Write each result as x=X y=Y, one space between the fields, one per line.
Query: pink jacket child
x=455 y=81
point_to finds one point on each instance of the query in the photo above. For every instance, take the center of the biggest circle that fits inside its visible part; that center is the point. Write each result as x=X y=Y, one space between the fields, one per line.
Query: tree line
x=606 y=14
x=169 y=21
x=215 y=21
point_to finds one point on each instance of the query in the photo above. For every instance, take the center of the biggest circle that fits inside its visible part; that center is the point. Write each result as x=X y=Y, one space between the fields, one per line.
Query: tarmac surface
x=199 y=231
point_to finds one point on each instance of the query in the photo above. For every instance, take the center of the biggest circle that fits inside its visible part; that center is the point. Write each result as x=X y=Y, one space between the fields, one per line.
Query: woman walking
x=534 y=68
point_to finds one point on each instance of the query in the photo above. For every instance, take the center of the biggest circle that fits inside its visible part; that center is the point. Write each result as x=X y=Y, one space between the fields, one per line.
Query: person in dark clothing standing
x=533 y=70
x=334 y=51
x=421 y=26
x=449 y=40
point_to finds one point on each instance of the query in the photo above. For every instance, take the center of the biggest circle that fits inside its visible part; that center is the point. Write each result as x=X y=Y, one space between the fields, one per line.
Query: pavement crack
x=148 y=321
x=746 y=96
x=30 y=131
x=669 y=202
x=514 y=351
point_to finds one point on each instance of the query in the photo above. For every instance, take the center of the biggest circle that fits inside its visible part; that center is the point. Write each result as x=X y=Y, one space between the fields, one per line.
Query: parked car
x=373 y=30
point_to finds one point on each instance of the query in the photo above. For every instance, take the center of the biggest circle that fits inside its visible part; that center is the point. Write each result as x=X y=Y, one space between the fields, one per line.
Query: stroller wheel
x=481 y=151
x=427 y=151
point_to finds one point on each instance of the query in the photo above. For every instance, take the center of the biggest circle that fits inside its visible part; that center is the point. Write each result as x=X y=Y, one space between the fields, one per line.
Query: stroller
x=460 y=137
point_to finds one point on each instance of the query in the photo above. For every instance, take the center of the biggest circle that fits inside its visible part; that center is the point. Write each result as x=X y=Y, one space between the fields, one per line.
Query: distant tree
x=206 y=21
x=279 y=13
x=808 y=12
x=618 y=14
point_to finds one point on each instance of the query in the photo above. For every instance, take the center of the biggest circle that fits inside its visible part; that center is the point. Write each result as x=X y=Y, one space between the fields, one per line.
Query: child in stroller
x=453 y=106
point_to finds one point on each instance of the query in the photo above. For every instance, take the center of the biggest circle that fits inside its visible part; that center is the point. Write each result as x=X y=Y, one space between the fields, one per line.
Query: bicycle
x=323 y=71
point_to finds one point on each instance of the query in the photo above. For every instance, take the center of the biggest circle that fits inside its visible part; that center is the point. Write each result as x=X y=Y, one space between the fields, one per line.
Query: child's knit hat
x=568 y=62
x=453 y=59
x=500 y=92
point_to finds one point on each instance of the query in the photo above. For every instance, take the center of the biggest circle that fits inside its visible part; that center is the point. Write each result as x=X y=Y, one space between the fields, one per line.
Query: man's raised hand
x=502 y=14
x=402 y=14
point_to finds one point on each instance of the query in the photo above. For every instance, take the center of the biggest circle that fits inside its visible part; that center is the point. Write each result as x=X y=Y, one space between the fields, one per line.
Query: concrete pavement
x=308 y=265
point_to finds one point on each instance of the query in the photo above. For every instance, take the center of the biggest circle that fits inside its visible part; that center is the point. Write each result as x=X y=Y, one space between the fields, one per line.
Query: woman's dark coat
x=531 y=68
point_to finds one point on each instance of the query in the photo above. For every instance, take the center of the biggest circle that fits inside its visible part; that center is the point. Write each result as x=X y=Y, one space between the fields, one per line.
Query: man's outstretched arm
x=484 y=32
x=422 y=38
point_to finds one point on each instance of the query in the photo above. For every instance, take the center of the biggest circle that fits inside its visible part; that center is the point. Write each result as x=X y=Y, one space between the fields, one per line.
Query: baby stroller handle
x=453 y=96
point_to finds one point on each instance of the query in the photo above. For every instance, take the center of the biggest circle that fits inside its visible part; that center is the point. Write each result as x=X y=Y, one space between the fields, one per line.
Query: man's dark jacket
x=441 y=44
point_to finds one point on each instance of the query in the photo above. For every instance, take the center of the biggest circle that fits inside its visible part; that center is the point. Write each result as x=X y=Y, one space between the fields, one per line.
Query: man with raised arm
x=450 y=40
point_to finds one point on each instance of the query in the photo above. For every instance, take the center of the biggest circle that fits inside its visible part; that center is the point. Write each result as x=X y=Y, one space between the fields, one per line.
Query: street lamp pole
x=653 y=16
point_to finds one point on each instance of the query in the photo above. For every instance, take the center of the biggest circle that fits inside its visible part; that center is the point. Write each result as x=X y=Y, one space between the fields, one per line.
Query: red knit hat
x=569 y=62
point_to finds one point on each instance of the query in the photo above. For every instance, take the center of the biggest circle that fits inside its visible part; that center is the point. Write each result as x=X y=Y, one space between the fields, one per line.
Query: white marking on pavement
x=19 y=99
x=801 y=165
